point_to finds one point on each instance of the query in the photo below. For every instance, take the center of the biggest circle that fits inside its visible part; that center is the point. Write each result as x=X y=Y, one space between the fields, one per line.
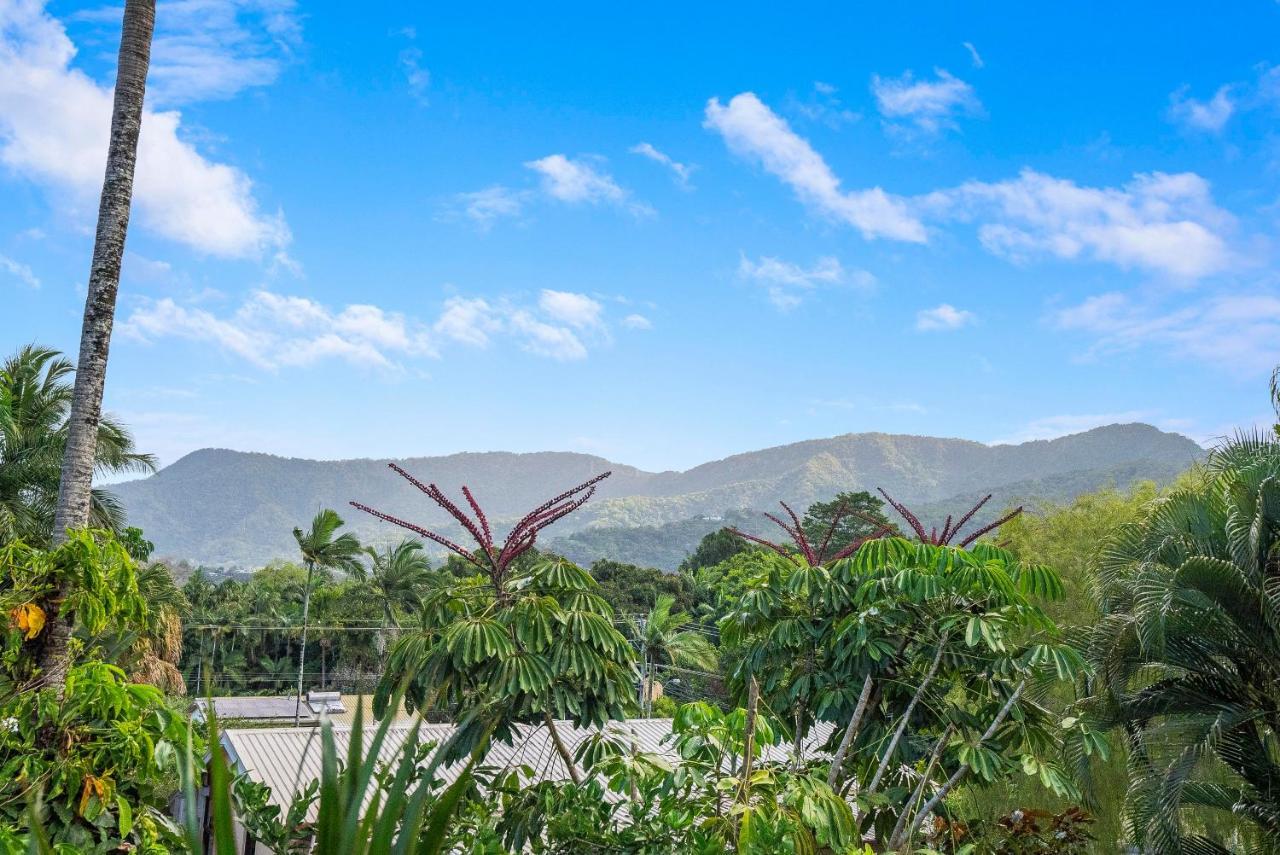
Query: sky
x=661 y=233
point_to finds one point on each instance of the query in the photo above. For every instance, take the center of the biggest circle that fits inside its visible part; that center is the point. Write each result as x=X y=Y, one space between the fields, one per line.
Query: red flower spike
x=519 y=540
x=950 y=532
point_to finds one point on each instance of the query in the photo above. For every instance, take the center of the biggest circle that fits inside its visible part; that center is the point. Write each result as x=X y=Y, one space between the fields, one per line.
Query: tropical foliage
x=35 y=401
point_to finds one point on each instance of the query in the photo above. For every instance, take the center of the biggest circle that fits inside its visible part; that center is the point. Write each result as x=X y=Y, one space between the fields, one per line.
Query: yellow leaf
x=29 y=619
x=93 y=786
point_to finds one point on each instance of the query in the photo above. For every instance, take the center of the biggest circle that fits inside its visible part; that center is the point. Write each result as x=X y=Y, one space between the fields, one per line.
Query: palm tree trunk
x=302 y=651
x=78 y=458
x=748 y=745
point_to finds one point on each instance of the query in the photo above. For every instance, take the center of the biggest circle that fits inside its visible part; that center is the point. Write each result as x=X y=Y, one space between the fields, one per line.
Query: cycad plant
x=1187 y=655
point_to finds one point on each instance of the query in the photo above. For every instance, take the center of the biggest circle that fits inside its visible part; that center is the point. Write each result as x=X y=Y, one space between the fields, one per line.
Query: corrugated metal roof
x=286 y=759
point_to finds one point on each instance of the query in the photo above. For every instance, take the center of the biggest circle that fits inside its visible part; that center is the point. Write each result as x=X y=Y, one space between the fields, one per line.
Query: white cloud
x=787 y=283
x=468 y=320
x=576 y=310
x=544 y=339
x=22 y=272
x=974 y=56
x=1052 y=427
x=637 y=322
x=755 y=132
x=943 y=317
x=930 y=105
x=54 y=124
x=576 y=181
x=1239 y=332
x=415 y=75
x=486 y=206
x=1159 y=222
x=272 y=330
x=1209 y=115
x=681 y=171
x=824 y=106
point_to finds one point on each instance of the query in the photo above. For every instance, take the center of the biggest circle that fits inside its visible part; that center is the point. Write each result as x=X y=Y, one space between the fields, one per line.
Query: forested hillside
x=234 y=508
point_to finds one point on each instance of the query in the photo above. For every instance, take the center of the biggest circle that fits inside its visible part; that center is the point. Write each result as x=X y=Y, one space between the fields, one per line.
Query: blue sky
x=663 y=235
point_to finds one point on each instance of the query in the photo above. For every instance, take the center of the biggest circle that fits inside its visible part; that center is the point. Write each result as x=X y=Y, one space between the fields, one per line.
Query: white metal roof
x=287 y=759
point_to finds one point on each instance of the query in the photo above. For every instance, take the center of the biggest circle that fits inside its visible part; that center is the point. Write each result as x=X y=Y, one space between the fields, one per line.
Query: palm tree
x=1187 y=655
x=320 y=548
x=35 y=400
x=81 y=455
x=158 y=649
x=399 y=575
x=662 y=637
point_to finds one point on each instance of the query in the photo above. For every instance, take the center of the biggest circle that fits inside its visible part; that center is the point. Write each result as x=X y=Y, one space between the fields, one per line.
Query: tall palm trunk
x=99 y=307
x=302 y=651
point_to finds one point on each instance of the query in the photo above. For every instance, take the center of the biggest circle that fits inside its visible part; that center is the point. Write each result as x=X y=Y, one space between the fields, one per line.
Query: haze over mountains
x=233 y=508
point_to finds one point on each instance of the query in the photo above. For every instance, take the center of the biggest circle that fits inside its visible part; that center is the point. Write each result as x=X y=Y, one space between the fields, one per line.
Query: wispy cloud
x=487 y=206
x=787 y=284
x=753 y=131
x=823 y=105
x=943 y=317
x=974 y=56
x=637 y=322
x=1238 y=332
x=54 y=119
x=22 y=272
x=929 y=106
x=1052 y=427
x=213 y=49
x=416 y=75
x=1210 y=115
x=1157 y=222
x=581 y=182
x=274 y=331
x=681 y=171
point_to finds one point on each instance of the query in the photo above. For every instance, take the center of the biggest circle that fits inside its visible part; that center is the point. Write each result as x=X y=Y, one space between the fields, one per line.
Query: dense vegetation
x=1068 y=679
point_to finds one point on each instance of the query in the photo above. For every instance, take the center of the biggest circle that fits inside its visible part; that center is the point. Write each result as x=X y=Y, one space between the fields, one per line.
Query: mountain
x=235 y=508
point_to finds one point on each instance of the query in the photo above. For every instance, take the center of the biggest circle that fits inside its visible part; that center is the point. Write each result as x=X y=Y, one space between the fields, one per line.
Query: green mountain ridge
x=222 y=507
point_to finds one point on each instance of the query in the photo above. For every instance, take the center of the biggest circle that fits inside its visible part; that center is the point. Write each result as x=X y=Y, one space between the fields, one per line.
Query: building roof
x=253 y=708
x=287 y=759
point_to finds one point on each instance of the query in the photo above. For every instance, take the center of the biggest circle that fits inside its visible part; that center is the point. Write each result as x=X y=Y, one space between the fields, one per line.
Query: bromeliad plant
x=528 y=634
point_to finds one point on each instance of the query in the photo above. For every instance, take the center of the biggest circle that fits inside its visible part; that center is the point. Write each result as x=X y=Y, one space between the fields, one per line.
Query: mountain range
x=232 y=508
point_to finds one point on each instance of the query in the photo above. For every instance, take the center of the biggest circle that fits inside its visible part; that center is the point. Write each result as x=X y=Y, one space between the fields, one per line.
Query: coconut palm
x=320 y=548
x=1187 y=654
x=35 y=400
x=662 y=637
x=80 y=458
x=399 y=575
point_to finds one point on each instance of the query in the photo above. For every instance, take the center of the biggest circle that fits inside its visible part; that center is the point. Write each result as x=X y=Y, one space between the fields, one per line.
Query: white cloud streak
x=681 y=171
x=1237 y=332
x=577 y=181
x=787 y=283
x=929 y=105
x=22 y=272
x=943 y=317
x=753 y=131
x=1208 y=116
